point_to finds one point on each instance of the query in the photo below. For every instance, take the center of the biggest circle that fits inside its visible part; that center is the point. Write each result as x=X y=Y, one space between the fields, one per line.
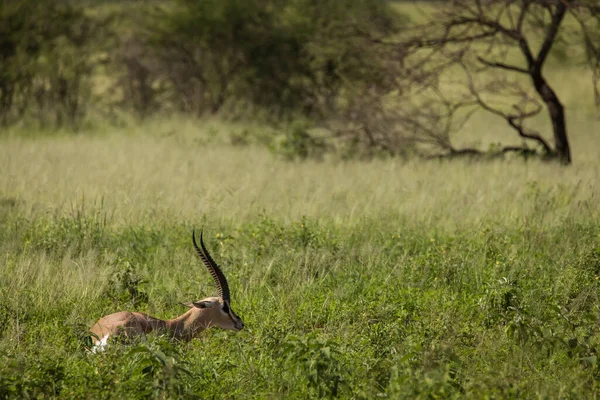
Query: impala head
x=218 y=309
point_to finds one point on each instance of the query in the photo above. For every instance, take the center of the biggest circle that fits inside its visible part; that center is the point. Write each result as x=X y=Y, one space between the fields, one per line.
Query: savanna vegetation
x=363 y=264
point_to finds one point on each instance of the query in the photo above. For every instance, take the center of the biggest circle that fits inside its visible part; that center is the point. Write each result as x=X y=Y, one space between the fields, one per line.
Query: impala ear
x=203 y=304
x=199 y=304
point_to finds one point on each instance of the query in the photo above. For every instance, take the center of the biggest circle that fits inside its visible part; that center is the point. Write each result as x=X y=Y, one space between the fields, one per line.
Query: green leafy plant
x=125 y=285
x=316 y=362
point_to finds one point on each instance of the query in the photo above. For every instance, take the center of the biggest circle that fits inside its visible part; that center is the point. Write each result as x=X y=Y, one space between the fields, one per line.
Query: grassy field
x=355 y=279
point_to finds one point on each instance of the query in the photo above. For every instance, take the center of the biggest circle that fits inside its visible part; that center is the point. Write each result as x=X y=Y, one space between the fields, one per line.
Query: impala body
x=202 y=314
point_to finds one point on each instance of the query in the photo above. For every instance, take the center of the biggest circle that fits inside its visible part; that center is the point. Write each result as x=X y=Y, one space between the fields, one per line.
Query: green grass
x=387 y=278
x=355 y=279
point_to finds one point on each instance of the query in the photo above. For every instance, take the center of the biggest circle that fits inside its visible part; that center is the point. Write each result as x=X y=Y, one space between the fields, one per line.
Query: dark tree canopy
x=46 y=60
x=276 y=54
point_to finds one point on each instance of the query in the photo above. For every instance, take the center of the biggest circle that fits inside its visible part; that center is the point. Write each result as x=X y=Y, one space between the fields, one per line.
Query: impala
x=202 y=314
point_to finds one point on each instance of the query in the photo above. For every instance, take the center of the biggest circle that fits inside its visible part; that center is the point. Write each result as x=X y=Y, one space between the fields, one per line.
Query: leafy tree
x=46 y=60
x=285 y=56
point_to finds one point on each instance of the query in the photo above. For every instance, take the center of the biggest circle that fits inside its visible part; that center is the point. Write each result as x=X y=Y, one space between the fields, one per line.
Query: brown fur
x=202 y=315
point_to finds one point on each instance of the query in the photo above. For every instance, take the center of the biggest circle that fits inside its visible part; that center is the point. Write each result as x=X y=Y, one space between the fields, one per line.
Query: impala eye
x=226 y=308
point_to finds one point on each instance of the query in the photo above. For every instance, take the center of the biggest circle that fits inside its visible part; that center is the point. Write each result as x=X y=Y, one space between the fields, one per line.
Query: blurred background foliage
x=367 y=77
x=64 y=61
x=362 y=78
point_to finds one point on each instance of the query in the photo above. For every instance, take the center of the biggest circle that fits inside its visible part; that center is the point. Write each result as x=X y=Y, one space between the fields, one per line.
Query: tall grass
x=147 y=178
x=355 y=279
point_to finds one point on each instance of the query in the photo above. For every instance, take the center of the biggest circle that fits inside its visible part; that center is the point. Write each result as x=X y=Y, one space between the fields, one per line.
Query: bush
x=46 y=61
x=287 y=57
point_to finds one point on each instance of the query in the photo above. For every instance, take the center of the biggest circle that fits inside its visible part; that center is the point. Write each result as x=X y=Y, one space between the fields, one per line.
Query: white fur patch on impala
x=101 y=345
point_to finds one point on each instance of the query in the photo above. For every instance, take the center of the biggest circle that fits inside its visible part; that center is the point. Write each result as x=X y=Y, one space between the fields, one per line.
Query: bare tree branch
x=502 y=66
x=551 y=33
x=514 y=120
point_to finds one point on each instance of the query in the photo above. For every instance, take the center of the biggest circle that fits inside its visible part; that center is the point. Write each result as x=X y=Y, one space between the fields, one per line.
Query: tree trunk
x=553 y=104
x=557 y=115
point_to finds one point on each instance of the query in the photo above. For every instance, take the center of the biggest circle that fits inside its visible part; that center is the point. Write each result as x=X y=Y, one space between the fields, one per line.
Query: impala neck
x=187 y=326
